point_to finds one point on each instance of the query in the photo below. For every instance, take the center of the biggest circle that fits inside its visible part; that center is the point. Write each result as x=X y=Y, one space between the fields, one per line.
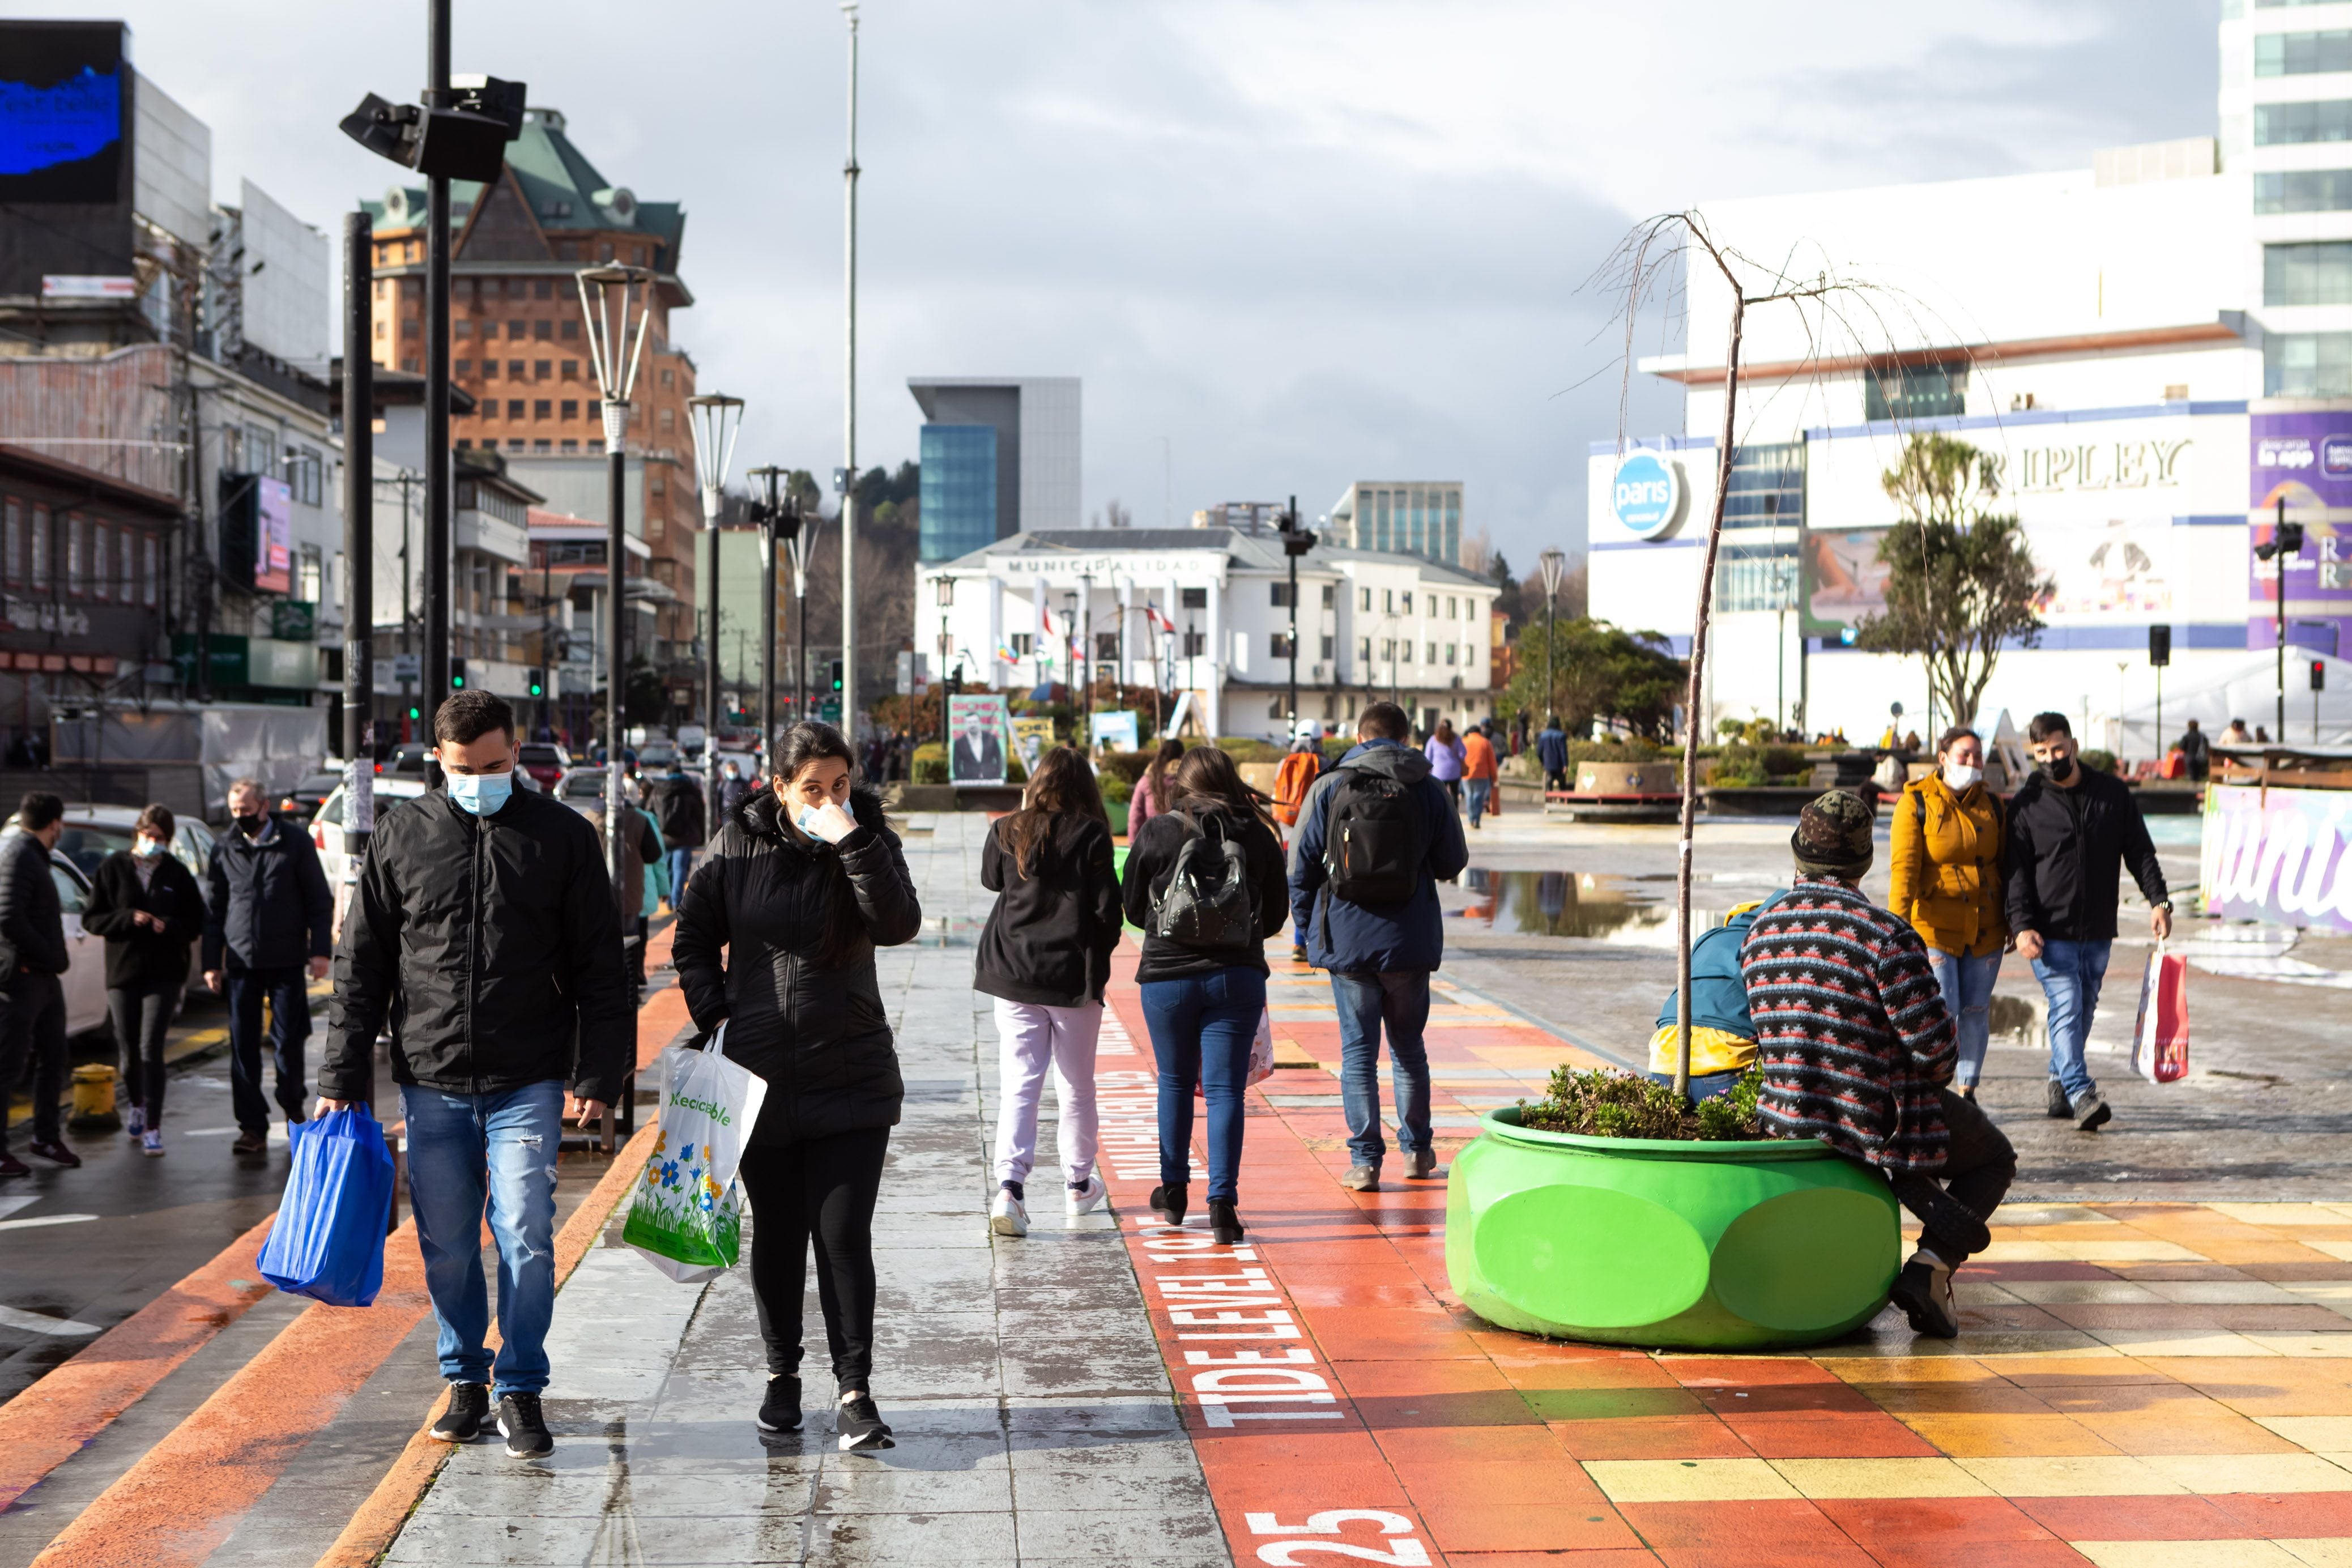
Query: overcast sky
x=1287 y=245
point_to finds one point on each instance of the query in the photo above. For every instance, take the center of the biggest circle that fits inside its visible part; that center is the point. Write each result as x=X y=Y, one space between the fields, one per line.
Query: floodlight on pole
x=715 y=420
x=1554 y=566
x=608 y=296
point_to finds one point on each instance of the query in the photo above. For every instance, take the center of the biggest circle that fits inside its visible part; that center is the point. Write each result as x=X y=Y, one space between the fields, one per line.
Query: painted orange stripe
x=49 y=1423
x=386 y=1508
x=181 y=1500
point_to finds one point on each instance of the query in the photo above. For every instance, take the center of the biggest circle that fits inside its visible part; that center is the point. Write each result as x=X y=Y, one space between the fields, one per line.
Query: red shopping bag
x=2160 y=1040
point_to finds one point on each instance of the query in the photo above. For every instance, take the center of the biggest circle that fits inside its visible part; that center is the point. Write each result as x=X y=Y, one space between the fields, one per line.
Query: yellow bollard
x=93 y=1099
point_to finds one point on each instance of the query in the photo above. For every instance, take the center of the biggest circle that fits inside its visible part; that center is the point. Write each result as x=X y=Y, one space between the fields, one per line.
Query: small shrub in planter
x=1597 y=1102
x=930 y=764
x=1115 y=791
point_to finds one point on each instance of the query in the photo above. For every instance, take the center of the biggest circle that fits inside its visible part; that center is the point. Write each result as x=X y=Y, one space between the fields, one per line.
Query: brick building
x=519 y=347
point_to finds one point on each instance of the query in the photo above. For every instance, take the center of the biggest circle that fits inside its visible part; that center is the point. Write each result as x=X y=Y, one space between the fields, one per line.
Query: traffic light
x=417 y=714
x=539 y=683
x=2319 y=675
x=836 y=674
x=456 y=675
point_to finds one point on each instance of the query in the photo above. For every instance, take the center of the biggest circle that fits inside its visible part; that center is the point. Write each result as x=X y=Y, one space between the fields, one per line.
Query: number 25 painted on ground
x=1405 y=1553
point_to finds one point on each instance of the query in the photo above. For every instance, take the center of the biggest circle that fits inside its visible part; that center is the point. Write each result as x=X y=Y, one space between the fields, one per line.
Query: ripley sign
x=2100 y=465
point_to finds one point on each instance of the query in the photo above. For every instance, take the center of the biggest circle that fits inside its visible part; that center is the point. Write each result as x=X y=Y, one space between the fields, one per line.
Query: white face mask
x=1961 y=776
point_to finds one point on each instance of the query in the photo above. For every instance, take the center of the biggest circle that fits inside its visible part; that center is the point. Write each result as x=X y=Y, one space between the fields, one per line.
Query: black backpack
x=1373 y=846
x=1210 y=900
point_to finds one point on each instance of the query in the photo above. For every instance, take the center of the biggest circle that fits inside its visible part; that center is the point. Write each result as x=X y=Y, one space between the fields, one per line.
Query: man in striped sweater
x=1858 y=1049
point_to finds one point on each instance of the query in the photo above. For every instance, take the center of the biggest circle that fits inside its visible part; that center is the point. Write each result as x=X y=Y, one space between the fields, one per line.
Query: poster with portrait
x=976 y=751
x=1032 y=739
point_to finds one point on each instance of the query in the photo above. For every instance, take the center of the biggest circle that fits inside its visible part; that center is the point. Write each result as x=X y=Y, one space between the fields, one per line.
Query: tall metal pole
x=1291 y=521
x=711 y=694
x=359 y=540
x=438 y=476
x=767 y=627
x=849 y=406
x=617 y=664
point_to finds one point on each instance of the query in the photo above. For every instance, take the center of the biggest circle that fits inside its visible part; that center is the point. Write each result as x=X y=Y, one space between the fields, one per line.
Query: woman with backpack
x=1205 y=882
x=1446 y=756
x=1947 y=864
x=1045 y=956
x=800 y=886
x=1150 y=797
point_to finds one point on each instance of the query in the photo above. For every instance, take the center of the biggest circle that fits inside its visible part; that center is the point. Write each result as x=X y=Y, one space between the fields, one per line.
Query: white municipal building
x=2155 y=350
x=1206 y=610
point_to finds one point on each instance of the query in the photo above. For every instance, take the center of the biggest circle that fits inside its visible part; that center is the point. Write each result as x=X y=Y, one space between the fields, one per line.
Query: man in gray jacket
x=33 y=953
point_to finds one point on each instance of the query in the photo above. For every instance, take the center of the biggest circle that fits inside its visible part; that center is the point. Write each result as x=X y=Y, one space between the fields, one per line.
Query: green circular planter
x=1668 y=1245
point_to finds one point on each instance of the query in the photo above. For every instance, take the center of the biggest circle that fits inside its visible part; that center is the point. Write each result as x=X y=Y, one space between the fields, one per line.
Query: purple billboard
x=2305 y=460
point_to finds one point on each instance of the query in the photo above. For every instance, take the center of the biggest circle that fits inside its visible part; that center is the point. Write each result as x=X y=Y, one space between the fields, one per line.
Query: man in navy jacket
x=1379 y=956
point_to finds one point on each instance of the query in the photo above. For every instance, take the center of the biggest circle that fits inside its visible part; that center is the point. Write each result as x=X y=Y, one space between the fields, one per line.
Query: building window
x=1756 y=577
x=2304 y=191
x=514 y=370
x=2314 y=274
x=1196 y=644
x=514 y=407
x=571 y=408
x=1330 y=596
x=668 y=376
x=461 y=329
x=310 y=577
x=12 y=552
x=2303 y=54
x=1453 y=551
x=542 y=408
x=306 y=470
x=571 y=370
x=1916 y=392
x=1451 y=650
x=653 y=525
x=1327 y=645
x=1767 y=486
x=2308 y=365
x=465 y=367
x=410 y=327
x=1106 y=647
x=102 y=563
x=1432 y=653
x=1388 y=649
x=666 y=420
x=1365 y=604
x=542 y=330
x=40 y=549
x=1277 y=645
x=542 y=369
x=1407 y=601
x=569 y=447
x=571 y=328
x=514 y=329
x=514 y=443
x=409 y=365
x=1281 y=594
x=2293 y=124
x=76 y=554
x=1364 y=650
x=489 y=370
x=150 y=550
x=1194 y=599
x=543 y=288
x=1022 y=643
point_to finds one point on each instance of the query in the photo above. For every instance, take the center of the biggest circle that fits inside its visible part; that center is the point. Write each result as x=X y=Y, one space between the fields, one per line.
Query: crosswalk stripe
x=42 y=1323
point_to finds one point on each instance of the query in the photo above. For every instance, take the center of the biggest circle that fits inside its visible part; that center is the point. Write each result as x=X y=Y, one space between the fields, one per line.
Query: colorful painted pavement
x=2135 y=1384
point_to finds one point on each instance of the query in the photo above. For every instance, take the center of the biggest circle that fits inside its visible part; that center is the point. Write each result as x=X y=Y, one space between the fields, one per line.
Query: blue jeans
x=2070 y=973
x=681 y=865
x=1967 y=996
x=464 y=1149
x=287 y=987
x=1201 y=1027
x=1399 y=999
x=1479 y=789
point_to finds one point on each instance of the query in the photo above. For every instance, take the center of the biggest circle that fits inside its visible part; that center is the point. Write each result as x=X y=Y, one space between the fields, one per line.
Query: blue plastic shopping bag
x=328 y=1242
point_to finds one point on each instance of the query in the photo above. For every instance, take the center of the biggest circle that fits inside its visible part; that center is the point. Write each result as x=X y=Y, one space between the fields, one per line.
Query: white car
x=327 y=828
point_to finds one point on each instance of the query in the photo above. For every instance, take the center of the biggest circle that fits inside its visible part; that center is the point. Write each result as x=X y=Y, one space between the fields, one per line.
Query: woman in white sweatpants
x=1045 y=956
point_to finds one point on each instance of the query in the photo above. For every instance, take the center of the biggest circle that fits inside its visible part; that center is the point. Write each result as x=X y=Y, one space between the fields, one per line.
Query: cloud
x=1290 y=242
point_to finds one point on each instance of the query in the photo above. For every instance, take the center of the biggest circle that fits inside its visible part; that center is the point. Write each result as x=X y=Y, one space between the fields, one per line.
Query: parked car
x=93 y=832
x=407 y=761
x=301 y=802
x=543 y=761
x=656 y=757
x=581 y=788
x=327 y=826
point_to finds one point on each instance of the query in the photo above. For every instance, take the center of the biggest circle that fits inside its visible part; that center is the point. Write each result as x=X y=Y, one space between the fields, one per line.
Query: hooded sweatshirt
x=1360 y=939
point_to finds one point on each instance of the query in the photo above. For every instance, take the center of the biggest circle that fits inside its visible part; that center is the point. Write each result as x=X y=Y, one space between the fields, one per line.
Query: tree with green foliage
x=1961 y=580
x=1598 y=671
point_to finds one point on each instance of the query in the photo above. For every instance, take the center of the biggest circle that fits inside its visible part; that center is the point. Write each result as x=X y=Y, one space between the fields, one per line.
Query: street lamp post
x=2285 y=544
x=1554 y=565
x=716 y=420
x=849 y=173
x=1296 y=542
x=608 y=295
x=359 y=540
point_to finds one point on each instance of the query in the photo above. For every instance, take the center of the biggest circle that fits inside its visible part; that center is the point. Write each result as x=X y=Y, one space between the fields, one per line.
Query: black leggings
x=821 y=1190
x=141 y=1020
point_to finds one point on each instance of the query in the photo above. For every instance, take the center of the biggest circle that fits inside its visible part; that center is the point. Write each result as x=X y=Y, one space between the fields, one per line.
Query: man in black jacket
x=33 y=953
x=680 y=812
x=2071 y=829
x=267 y=909
x=483 y=928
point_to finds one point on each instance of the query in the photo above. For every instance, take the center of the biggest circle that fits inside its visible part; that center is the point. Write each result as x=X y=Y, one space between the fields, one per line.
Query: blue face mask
x=481 y=793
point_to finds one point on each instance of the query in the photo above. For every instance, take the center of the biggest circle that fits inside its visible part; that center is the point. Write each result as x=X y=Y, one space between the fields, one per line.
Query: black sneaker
x=860 y=1425
x=1224 y=1224
x=781 y=1410
x=1168 y=1203
x=469 y=1413
x=1924 y=1294
x=2091 y=1112
x=524 y=1428
x=2059 y=1107
x=1941 y=1213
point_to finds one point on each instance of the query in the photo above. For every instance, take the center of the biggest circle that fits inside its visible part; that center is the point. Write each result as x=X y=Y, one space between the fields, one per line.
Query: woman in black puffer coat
x=803 y=882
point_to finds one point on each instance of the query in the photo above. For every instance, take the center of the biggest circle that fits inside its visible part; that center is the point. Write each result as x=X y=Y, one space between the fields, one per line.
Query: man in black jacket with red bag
x=483 y=928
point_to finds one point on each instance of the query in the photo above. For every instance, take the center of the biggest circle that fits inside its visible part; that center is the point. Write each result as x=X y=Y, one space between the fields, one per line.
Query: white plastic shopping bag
x=683 y=1213
x=1261 y=1066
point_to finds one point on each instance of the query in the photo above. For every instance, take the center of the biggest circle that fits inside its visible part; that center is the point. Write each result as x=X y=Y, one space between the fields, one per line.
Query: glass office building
x=1410 y=519
x=959 y=489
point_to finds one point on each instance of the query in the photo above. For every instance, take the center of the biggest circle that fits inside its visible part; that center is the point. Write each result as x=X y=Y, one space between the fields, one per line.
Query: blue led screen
x=63 y=112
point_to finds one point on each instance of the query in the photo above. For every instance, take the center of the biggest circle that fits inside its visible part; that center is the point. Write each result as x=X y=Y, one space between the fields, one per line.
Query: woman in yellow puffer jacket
x=1950 y=837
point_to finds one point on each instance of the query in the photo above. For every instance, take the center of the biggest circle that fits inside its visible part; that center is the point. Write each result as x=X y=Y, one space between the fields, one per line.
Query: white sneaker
x=135 y=1120
x=150 y=1143
x=1006 y=1217
x=1087 y=1198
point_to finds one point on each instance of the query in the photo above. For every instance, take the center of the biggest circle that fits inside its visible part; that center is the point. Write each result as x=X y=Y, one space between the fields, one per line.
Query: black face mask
x=249 y=821
x=2060 y=769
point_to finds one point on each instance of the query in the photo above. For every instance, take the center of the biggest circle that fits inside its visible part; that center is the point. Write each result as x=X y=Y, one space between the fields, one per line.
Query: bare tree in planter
x=1644 y=262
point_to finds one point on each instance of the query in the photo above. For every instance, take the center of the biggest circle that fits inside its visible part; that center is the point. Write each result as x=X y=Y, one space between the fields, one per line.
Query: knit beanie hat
x=1833 y=837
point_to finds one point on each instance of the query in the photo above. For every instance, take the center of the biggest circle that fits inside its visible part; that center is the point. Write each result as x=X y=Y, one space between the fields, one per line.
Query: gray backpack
x=1209 y=901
